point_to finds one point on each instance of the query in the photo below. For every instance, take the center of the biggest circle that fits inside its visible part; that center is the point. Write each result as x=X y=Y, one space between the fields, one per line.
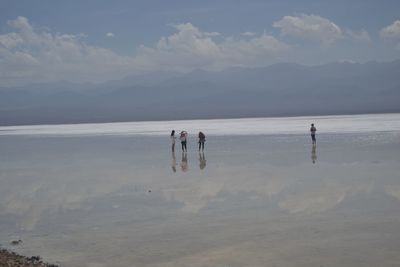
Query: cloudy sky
x=96 y=40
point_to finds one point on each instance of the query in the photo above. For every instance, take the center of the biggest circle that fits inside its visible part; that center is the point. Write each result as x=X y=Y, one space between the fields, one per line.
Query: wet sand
x=247 y=201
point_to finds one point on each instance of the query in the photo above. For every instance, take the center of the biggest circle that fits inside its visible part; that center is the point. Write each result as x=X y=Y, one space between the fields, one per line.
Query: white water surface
x=220 y=127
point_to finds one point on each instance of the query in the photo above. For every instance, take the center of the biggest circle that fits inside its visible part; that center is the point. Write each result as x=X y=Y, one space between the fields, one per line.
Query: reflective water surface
x=267 y=200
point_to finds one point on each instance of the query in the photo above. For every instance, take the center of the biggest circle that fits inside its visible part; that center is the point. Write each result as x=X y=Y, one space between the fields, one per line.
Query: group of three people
x=183 y=138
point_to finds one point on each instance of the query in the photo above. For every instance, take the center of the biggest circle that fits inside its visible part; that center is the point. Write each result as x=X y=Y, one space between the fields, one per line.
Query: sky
x=98 y=40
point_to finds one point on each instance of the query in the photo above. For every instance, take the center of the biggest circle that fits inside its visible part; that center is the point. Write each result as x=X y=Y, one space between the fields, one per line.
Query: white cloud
x=110 y=34
x=29 y=55
x=310 y=27
x=391 y=33
x=249 y=34
x=191 y=48
x=361 y=36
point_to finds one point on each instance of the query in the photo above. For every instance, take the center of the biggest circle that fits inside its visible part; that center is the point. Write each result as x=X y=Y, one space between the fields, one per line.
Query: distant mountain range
x=276 y=90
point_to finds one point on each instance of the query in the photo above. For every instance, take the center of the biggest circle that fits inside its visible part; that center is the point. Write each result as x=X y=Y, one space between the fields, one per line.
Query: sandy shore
x=11 y=259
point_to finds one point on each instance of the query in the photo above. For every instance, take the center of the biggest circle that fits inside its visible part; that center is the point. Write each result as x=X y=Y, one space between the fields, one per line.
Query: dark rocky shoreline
x=12 y=259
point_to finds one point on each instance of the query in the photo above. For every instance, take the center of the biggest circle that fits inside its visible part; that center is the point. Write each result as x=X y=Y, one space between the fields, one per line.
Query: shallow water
x=250 y=200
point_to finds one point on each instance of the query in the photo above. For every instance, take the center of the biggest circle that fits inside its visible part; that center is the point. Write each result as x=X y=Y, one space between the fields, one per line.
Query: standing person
x=313 y=130
x=202 y=140
x=183 y=138
x=173 y=140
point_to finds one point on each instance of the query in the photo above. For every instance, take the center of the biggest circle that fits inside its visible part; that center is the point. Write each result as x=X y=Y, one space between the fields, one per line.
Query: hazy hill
x=277 y=90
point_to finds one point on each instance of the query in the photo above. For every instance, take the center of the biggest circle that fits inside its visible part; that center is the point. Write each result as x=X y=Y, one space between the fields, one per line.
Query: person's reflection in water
x=173 y=162
x=184 y=163
x=314 y=153
x=202 y=160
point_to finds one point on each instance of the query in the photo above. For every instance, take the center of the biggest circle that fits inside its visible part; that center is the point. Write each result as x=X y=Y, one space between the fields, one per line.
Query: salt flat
x=122 y=198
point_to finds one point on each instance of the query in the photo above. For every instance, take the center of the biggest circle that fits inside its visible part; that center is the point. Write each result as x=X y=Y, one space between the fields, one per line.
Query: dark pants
x=313 y=138
x=184 y=148
x=201 y=145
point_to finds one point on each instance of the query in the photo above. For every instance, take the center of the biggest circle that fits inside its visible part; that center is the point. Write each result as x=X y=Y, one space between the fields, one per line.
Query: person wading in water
x=202 y=140
x=183 y=138
x=173 y=140
x=313 y=130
